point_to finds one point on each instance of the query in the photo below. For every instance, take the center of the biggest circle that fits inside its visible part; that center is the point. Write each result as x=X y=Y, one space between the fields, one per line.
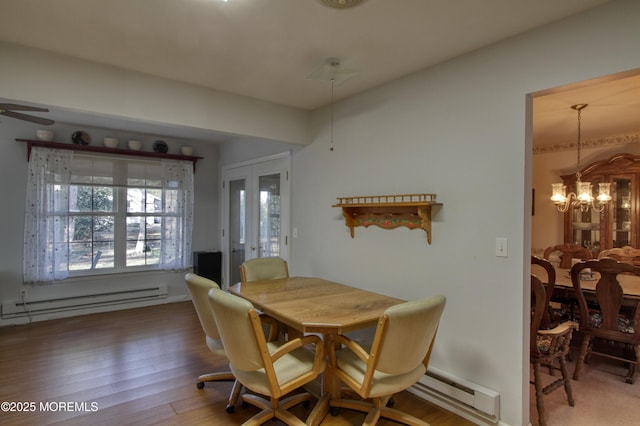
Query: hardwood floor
x=138 y=366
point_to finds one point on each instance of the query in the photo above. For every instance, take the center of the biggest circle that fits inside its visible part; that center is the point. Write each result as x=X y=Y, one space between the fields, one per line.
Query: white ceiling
x=266 y=49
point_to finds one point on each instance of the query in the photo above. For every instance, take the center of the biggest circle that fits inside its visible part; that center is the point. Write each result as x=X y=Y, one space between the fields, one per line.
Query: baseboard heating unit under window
x=32 y=307
x=467 y=399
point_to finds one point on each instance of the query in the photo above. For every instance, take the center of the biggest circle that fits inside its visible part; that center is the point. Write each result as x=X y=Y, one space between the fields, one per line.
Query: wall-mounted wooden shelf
x=389 y=211
x=104 y=150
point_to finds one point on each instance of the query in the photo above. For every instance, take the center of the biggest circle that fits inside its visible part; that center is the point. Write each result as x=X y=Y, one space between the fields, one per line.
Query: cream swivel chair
x=398 y=358
x=199 y=289
x=266 y=268
x=270 y=369
x=263 y=268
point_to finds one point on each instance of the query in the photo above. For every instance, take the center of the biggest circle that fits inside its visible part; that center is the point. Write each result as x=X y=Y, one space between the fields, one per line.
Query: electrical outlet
x=23 y=293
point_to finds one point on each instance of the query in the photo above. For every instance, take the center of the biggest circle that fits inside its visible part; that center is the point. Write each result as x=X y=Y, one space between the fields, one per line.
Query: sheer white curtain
x=56 y=175
x=177 y=183
x=46 y=211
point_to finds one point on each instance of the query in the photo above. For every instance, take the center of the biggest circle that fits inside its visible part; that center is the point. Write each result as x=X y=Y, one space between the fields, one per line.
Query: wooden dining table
x=316 y=305
x=563 y=291
x=630 y=283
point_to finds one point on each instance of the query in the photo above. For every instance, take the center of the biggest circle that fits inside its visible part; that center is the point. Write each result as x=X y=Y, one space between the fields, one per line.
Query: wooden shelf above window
x=105 y=150
x=389 y=211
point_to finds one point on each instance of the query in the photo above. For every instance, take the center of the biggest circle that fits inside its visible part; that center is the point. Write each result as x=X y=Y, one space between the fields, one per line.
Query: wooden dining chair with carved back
x=607 y=316
x=549 y=279
x=567 y=252
x=548 y=348
x=626 y=254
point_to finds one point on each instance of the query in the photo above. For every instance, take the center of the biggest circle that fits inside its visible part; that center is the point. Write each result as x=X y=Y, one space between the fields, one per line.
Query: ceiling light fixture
x=341 y=4
x=583 y=197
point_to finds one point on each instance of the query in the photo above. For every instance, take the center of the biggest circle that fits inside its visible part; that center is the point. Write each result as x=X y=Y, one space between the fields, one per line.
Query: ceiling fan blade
x=16 y=107
x=19 y=116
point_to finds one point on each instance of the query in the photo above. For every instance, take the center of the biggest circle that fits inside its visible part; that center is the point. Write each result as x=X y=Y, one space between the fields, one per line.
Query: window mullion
x=121 y=228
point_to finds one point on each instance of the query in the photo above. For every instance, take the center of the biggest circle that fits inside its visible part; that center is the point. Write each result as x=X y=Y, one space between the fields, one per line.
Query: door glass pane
x=586 y=229
x=269 y=215
x=621 y=212
x=586 y=226
x=237 y=227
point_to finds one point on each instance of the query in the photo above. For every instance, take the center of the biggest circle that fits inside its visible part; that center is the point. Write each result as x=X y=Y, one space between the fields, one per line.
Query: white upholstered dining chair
x=398 y=357
x=271 y=369
x=199 y=289
x=264 y=268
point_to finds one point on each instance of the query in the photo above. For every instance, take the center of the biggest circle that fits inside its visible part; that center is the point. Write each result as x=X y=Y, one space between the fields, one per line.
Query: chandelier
x=583 y=197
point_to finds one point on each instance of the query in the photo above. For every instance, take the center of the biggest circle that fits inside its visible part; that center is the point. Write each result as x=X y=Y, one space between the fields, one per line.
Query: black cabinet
x=208 y=264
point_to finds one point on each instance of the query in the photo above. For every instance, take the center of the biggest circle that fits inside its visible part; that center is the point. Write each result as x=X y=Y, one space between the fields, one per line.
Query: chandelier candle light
x=583 y=197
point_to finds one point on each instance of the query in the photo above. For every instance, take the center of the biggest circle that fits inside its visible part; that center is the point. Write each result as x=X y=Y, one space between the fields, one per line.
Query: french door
x=255 y=213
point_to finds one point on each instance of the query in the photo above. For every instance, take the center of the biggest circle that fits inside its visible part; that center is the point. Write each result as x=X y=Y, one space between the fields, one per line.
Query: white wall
x=457 y=130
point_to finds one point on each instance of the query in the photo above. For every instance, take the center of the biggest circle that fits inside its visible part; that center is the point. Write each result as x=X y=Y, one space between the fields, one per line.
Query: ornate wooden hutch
x=618 y=225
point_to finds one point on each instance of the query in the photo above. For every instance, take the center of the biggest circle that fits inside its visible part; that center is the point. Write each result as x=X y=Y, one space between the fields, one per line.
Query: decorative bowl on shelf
x=81 y=138
x=44 y=135
x=186 y=150
x=160 y=147
x=135 y=145
x=111 y=142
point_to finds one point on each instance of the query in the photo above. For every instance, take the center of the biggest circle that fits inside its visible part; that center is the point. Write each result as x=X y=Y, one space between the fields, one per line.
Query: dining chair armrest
x=274 y=328
x=296 y=343
x=350 y=344
x=559 y=329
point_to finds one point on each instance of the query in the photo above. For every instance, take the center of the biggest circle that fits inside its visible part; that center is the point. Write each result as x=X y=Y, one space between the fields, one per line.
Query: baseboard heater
x=33 y=307
x=465 y=398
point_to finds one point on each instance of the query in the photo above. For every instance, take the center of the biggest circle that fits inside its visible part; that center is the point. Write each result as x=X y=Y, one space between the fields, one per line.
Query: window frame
x=170 y=176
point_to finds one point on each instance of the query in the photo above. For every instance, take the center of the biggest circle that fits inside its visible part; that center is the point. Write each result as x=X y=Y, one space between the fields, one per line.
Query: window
x=89 y=214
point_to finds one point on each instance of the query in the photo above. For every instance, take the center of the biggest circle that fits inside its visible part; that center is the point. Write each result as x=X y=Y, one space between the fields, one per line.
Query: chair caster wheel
x=391 y=402
x=334 y=411
x=200 y=385
x=230 y=409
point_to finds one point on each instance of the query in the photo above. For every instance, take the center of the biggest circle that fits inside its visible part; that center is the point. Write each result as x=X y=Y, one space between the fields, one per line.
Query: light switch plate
x=501 y=247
